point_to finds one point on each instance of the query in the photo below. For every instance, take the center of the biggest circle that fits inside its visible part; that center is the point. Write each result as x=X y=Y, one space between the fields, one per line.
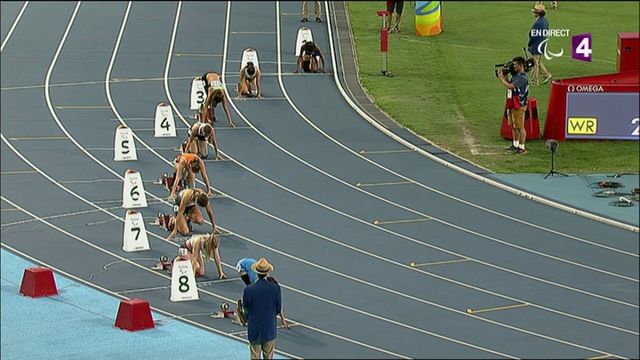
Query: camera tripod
x=553 y=171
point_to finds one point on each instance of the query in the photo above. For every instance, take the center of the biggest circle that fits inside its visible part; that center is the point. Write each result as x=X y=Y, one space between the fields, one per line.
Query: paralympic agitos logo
x=581 y=48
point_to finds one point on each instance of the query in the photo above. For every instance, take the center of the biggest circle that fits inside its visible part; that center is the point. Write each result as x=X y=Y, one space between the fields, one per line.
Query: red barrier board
x=594 y=107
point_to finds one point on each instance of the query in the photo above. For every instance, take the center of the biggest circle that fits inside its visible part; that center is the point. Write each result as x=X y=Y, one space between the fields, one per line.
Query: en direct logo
x=582 y=126
x=581 y=47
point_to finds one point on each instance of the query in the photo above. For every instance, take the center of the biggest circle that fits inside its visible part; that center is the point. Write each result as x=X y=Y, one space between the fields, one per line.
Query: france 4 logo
x=581 y=47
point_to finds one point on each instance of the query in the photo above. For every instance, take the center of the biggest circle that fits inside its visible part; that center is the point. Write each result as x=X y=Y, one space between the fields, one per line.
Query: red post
x=384 y=40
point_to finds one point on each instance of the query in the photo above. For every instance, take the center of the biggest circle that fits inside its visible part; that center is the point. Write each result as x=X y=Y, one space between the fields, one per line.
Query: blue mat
x=83 y=320
x=577 y=191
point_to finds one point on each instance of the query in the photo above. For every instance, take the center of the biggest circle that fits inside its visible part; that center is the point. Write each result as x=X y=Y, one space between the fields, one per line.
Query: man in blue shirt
x=538 y=43
x=519 y=93
x=262 y=302
x=246 y=272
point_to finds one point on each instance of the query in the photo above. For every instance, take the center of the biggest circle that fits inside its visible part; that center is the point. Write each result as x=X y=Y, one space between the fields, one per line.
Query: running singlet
x=190 y=244
x=200 y=133
x=182 y=194
x=189 y=157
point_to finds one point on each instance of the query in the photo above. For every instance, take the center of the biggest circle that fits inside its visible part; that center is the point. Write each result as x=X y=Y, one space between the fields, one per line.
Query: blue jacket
x=262 y=301
x=536 y=35
x=244 y=265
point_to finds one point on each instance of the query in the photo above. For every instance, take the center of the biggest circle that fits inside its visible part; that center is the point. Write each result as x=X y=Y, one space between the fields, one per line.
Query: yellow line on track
x=413 y=264
x=39 y=138
x=17 y=172
x=196 y=54
x=383 y=222
x=62 y=107
x=471 y=311
x=600 y=357
x=383 y=183
x=384 y=151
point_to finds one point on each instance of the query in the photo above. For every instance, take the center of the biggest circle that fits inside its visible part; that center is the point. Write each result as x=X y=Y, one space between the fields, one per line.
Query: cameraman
x=517 y=103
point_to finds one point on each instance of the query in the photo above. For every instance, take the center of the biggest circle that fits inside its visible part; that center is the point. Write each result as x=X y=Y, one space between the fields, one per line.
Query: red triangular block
x=134 y=315
x=531 y=122
x=37 y=282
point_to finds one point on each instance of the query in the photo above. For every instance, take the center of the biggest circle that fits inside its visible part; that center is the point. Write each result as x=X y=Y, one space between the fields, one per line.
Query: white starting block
x=124 y=147
x=249 y=55
x=133 y=195
x=304 y=35
x=165 y=125
x=183 y=281
x=198 y=96
x=135 y=234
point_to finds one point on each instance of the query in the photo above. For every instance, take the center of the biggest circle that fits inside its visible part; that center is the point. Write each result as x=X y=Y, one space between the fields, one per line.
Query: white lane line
x=288 y=255
x=224 y=64
x=54 y=115
x=13 y=26
x=471 y=174
x=91 y=203
x=108 y=92
x=463 y=284
x=384 y=259
x=420 y=213
x=415 y=240
x=410 y=239
x=256 y=243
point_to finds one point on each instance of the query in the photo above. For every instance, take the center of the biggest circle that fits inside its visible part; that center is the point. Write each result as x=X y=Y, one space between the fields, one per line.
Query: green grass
x=445 y=88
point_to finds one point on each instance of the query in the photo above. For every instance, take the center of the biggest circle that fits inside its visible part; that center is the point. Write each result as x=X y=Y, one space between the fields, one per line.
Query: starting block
x=163 y=221
x=224 y=312
x=168 y=181
x=163 y=264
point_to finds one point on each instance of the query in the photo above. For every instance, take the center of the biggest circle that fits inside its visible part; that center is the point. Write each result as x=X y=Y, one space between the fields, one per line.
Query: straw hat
x=262 y=267
x=538 y=8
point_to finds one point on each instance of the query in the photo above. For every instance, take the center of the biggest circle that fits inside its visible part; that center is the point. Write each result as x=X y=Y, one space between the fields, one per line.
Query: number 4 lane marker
x=165 y=125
